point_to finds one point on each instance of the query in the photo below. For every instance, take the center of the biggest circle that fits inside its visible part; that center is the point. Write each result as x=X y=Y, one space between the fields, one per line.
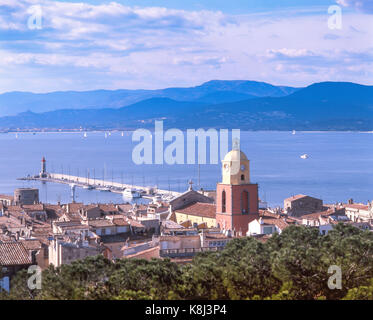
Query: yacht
x=304 y=156
x=131 y=193
x=104 y=189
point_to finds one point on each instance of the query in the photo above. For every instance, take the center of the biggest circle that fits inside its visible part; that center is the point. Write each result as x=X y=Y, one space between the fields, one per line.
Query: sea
x=339 y=165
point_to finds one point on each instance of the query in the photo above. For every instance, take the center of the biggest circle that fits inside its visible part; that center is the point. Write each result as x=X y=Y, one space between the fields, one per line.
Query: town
x=43 y=234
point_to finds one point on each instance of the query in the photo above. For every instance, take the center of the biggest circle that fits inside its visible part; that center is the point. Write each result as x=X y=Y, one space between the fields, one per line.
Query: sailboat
x=16 y=135
x=293 y=132
x=85 y=135
x=122 y=133
x=105 y=135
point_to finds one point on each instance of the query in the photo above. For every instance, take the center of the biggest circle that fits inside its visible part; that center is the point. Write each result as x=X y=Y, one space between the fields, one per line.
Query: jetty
x=103 y=185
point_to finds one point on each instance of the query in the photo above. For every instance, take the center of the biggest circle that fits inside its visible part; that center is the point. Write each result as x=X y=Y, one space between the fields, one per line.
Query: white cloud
x=84 y=46
x=361 y=5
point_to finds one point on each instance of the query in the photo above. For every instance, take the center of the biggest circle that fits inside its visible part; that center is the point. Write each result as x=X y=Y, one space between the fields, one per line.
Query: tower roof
x=235 y=155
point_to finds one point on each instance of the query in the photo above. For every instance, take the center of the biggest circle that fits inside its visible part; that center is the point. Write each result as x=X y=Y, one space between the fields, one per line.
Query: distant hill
x=217 y=91
x=321 y=106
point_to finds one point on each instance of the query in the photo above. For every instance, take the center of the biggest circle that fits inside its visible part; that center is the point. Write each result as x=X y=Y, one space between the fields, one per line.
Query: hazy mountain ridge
x=216 y=91
x=321 y=106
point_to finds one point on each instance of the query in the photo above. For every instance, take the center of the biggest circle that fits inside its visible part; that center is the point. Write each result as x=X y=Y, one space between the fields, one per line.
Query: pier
x=102 y=185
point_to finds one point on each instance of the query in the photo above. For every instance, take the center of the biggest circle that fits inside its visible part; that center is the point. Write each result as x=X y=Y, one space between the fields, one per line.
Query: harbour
x=102 y=185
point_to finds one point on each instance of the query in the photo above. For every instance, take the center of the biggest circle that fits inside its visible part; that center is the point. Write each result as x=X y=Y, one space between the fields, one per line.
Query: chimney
x=350 y=201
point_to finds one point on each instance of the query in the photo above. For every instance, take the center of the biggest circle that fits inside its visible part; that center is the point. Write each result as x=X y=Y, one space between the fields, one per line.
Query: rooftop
x=14 y=253
x=200 y=209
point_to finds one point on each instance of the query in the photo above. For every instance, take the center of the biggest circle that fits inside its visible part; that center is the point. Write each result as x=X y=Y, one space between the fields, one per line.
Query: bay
x=339 y=167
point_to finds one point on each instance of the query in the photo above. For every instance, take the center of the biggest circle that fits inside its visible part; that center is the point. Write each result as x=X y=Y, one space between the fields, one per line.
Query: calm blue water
x=340 y=165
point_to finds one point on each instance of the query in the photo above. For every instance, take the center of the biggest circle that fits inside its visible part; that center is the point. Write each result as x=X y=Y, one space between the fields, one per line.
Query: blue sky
x=88 y=44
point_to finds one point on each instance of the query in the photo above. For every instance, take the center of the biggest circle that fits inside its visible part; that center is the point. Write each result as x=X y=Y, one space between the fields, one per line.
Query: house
x=6 y=200
x=90 y=212
x=211 y=238
x=69 y=228
x=184 y=238
x=38 y=251
x=36 y=211
x=197 y=213
x=359 y=212
x=13 y=257
x=158 y=210
x=269 y=223
x=189 y=197
x=64 y=249
x=102 y=227
x=301 y=204
x=326 y=217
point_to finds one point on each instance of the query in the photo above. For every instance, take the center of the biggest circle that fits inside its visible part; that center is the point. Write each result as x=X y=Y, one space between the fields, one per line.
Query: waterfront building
x=26 y=196
x=301 y=204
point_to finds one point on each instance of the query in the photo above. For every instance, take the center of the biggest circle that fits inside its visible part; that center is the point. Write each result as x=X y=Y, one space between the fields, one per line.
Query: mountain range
x=12 y=103
x=247 y=105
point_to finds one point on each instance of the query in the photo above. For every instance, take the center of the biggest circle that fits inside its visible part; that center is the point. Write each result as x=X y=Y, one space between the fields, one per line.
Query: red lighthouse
x=43 y=171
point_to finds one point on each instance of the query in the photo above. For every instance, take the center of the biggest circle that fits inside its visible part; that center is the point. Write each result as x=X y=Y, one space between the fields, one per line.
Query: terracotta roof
x=32 y=244
x=215 y=236
x=317 y=215
x=14 y=253
x=108 y=207
x=6 y=197
x=265 y=213
x=280 y=223
x=14 y=208
x=120 y=222
x=33 y=207
x=100 y=223
x=200 y=209
x=178 y=237
x=74 y=207
x=136 y=224
x=125 y=207
x=298 y=196
x=10 y=222
x=359 y=206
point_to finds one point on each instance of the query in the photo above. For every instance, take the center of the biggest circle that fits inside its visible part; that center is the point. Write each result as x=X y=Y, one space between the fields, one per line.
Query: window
x=245 y=202
x=267 y=230
x=242 y=177
x=223 y=202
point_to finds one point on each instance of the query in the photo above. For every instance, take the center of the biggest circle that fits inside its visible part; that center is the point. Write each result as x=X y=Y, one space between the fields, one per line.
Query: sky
x=50 y=45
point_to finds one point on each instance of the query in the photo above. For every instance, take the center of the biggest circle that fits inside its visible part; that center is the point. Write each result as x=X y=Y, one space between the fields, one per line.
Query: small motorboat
x=130 y=194
x=304 y=156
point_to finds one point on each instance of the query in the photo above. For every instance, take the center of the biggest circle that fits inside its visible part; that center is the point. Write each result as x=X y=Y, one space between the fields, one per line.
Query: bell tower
x=236 y=197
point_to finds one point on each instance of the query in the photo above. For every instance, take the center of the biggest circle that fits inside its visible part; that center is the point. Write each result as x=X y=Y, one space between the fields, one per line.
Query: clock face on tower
x=243 y=167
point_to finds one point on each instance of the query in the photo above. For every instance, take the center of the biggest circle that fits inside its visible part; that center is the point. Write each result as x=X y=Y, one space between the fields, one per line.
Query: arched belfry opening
x=223 y=201
x=245 y=202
